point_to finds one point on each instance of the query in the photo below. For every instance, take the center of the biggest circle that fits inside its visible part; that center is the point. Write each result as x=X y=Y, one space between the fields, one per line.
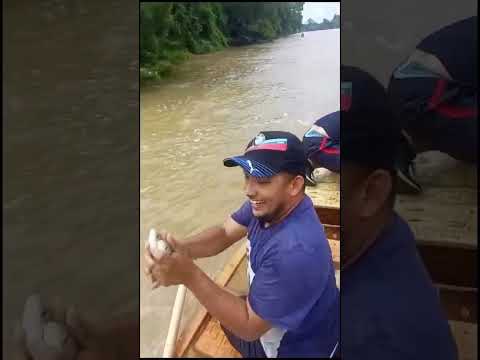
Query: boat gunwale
x=189 y=334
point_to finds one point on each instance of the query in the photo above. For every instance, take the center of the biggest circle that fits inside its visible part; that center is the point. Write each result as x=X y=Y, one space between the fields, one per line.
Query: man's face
x=269 y=197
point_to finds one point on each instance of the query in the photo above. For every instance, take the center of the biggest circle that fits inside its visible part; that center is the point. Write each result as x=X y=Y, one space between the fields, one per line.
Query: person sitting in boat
x=322 y=145
x=390 y=308
x=434 y=96
x=292 y=307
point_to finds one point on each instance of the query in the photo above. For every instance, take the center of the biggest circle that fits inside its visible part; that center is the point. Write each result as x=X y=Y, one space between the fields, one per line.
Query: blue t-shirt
x=292 y=282
x=390 y=308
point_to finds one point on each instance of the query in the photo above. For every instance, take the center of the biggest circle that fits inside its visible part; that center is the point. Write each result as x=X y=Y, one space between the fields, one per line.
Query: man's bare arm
x=233 y=312
x=212 y=241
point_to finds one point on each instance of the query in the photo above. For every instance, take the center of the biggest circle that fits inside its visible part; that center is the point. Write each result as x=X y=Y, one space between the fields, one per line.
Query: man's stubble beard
x=273 y=216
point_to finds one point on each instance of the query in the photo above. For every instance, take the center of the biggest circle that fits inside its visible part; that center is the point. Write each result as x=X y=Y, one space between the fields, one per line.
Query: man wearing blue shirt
x=390 y=308
x=292 y=308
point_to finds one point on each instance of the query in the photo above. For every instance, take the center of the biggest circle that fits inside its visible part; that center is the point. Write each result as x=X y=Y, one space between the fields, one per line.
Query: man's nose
x=250 y=187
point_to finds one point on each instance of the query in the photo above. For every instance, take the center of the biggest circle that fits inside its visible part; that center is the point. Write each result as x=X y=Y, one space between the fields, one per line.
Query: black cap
x=270 y=153
x=369 y=133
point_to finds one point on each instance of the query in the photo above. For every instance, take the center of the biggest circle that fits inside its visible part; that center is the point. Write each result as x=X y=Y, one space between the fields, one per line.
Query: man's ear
x=376 y=190
x=296 y=185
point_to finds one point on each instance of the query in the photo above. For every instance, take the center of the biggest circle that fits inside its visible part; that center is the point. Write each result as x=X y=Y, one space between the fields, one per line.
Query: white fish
x=45 y=339
x=157 y=246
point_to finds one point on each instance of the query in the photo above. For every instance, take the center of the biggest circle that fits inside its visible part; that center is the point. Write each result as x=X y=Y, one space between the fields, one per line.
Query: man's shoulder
x=301 y=244
x=301 y=232
x=301 y=229
x=303 y=217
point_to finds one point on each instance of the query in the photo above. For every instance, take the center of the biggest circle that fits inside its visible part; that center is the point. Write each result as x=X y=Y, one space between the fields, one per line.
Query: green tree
x=169 y=32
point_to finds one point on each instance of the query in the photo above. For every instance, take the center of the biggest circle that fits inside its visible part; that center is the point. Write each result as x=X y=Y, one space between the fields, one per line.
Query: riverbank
x=165 y=68
x=171 y=32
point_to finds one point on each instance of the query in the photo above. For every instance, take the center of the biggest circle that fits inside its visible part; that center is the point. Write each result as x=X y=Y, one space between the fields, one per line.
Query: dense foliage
x=170 y=32
x=311 y=25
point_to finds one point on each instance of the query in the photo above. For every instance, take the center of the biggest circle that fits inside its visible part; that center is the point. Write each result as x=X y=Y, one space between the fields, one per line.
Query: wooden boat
x=444 y=222
x=203 y=337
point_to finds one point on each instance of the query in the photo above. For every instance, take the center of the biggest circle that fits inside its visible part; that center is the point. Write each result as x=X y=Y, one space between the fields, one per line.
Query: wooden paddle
x=169 y=349
x=158 y=248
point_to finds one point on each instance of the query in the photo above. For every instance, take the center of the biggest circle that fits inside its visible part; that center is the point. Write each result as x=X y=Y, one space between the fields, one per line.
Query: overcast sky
x=320 y=10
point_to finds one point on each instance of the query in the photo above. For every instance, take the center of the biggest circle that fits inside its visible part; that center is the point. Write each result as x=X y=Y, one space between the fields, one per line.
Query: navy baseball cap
x=331 y=124
x=369 y=132
x=270 y=153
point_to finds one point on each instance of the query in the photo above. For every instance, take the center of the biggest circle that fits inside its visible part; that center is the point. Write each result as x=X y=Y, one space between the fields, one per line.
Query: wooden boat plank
x=335 y=248
x=332 y=231
x=330 y=198
x=445 y=215
x=238 y=283
x=222 y=279
x=447 y=209
x=326 y=193
x=328 y=216
x=465 y=335
x=214 y=343
x=460 y=304
x=451 y=265
x=186 y=338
